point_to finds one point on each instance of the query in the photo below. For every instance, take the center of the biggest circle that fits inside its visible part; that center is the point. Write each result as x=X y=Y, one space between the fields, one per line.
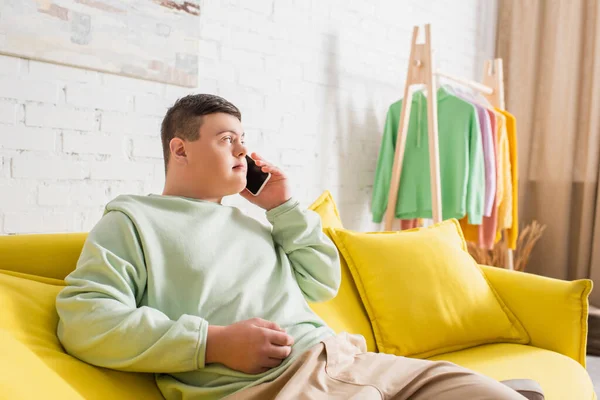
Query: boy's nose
x=242 y=151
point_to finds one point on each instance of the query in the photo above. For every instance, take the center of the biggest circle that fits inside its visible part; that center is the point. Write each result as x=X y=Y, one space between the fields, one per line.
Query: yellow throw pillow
x=345 y=312
x=28 y=342
x=424 y=293
x=327 y=210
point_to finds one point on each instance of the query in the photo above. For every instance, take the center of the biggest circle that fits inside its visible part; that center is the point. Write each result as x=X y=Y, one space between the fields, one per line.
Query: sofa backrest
x=48 y=255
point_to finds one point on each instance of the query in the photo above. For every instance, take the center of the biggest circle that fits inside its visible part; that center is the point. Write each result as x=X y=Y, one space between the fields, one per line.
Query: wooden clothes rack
x=421 y=71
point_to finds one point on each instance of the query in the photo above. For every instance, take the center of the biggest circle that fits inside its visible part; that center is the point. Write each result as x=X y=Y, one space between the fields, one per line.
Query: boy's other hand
x=252 y=346
x=277 y=190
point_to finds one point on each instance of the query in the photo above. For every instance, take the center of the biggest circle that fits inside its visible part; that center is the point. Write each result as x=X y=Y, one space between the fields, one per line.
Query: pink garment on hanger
x=489 y=225
x=409 y=224
x=489 y=159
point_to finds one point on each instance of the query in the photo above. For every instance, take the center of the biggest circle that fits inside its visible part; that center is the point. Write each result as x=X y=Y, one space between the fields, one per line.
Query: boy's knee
x=451 y=381
x=488 y=388
x=528 y=388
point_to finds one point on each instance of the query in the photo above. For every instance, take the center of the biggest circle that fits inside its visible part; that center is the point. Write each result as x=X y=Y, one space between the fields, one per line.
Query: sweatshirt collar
x=419 y=97
x=420 y=103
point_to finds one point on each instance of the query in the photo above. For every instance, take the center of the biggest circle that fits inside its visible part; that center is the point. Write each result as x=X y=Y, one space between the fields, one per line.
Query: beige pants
x=340 y=368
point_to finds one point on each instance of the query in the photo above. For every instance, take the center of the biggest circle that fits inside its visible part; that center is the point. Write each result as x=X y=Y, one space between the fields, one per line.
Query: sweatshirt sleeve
x=476 y=178
x=100 y=318
x=385 y=164
x=312 y=255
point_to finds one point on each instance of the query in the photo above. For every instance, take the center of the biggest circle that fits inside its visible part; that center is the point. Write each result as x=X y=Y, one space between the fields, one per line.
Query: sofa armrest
x=554 y=312
x=52 y=255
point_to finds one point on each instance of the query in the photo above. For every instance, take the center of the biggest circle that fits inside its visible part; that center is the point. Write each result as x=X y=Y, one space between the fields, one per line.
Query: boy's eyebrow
x=230 y=131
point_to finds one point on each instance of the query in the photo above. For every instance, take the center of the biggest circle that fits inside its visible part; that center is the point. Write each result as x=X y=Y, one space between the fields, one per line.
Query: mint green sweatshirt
x=462 y=174
x=157 y=270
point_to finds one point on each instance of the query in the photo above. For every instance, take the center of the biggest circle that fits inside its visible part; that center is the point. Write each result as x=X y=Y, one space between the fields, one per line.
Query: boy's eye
x=230 y=139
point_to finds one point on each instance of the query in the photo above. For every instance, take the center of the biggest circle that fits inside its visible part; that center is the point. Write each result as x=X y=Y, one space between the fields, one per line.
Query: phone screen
x=255 y=178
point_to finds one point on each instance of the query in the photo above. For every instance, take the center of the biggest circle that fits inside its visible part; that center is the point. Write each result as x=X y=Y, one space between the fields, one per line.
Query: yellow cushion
x=561 y=377
x=26 y=376
x=51 y=255
x=30 y=348
x=345 y=312
x=327 y=209
x=424 y=293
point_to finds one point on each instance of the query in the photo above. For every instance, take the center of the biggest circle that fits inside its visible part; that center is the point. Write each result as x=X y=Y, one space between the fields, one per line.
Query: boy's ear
x=178 y=153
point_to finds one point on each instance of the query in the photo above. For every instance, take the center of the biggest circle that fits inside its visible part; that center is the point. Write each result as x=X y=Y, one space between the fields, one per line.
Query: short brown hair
x=184 y=118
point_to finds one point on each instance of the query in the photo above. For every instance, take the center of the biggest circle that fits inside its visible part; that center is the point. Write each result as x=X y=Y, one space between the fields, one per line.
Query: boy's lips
x=240 y=167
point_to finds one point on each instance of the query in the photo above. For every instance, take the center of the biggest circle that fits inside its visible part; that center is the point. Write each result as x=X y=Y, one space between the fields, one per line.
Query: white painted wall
x=313 y=80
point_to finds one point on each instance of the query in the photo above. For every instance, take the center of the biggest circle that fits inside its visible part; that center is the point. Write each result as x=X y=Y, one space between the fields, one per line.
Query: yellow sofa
x=33 y=364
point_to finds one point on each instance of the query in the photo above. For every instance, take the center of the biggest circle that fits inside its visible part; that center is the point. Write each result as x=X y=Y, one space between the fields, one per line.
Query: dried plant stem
x=528 y=237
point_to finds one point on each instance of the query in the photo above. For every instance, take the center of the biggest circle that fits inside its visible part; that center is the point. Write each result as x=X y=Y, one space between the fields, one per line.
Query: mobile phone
x=255 y=178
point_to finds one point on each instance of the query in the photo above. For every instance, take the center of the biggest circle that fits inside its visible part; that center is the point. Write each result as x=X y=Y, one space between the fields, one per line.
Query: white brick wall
x=313 y=80
x=98 y=97
x=50 y=116
x=7 y=112
x=92 y=143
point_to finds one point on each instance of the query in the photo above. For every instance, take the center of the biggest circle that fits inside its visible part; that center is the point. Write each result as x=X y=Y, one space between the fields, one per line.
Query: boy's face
x=216 y=162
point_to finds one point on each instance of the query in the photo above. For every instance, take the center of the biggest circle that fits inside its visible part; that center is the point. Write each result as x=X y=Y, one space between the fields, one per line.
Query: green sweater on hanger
x=461 y=161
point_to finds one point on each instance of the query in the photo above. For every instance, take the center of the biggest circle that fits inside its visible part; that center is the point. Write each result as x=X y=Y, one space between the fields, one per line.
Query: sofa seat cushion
x=30 y=348
x=560 y=376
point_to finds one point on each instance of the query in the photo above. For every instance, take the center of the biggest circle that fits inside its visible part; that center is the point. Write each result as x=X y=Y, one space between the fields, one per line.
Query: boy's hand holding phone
x=270 y=191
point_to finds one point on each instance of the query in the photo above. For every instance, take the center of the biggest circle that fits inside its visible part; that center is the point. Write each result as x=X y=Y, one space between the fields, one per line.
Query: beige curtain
x=551 y=53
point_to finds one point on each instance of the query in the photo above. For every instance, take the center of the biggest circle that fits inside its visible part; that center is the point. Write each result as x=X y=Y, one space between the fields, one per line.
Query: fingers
x=281 y=338
x=268 y=167
x=271 y=362
x=263 y=323
x=278 y=352
x=271 y=170
x=262 y=163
